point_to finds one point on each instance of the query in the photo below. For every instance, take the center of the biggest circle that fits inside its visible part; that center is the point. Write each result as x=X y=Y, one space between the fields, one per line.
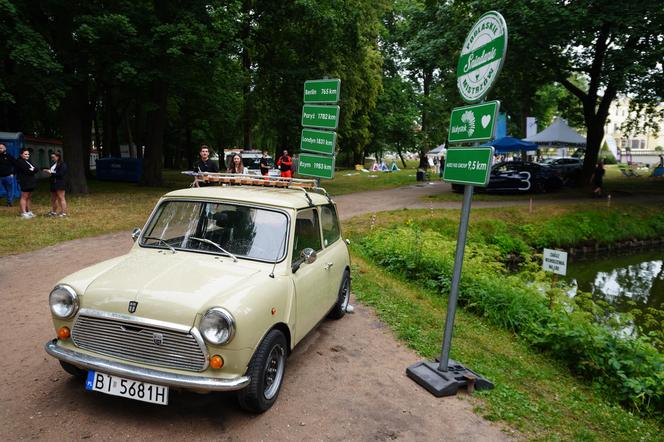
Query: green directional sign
x=473 y=123
x=482 y=56
x=324 y=117
x=318 y=141
x=468 y=165
x=322 y=91
x=316 y=166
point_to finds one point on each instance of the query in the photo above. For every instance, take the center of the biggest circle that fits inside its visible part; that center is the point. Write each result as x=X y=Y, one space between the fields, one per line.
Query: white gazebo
x=559 y=135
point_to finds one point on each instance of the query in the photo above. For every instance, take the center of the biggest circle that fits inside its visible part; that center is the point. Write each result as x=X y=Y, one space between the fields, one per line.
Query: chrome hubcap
x=274 y=371
x=346 y=295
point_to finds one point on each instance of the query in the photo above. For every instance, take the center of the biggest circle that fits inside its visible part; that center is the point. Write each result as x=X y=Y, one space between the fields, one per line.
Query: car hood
x=166 y=286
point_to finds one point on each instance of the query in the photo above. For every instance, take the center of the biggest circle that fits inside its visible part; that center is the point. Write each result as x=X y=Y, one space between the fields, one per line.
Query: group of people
x=236 y=166
x=26 y=174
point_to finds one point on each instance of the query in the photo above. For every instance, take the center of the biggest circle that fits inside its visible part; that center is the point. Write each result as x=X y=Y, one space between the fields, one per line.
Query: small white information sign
x=555 y=261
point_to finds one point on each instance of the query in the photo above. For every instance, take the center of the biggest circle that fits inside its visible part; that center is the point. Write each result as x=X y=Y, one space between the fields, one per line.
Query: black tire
x=73 y=370
x=266 y=370
x=343 y=298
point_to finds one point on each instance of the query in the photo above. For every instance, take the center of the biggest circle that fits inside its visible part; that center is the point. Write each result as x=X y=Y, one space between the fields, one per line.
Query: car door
x=310 y=279
x=335 y=252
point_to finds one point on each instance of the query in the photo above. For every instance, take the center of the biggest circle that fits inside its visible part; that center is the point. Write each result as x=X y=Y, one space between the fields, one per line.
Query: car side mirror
x=308 y=255
x=135 y=233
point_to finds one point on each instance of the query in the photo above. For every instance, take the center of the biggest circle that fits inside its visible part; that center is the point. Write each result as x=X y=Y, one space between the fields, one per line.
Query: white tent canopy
x=437 y=152
x=558 y=134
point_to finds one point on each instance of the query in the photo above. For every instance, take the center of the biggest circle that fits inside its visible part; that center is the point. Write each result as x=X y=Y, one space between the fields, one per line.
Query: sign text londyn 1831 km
x=318 y=141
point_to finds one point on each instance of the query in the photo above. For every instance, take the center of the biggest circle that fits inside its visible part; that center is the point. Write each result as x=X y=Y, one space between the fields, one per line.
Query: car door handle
x=328 y=265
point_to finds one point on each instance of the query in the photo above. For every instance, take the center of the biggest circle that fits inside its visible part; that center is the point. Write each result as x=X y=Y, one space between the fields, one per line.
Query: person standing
x=7 y=174
x=237 y=166
x=285 y=164
x=26 y=173
x=265 y=164
x=597 y=179
x=205 y=164
x=58 y=174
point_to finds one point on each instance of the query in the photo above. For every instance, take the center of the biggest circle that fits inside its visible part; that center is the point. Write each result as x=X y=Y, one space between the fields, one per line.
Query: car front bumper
x=198 y=383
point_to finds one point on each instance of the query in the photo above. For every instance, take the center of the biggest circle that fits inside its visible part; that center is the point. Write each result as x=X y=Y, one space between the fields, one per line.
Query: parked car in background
x=569 y=168
x=519 y=177
x=219 y=287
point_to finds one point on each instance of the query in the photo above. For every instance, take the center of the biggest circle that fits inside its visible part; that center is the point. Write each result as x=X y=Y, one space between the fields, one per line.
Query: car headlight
x=63 y=301
x=217 y=326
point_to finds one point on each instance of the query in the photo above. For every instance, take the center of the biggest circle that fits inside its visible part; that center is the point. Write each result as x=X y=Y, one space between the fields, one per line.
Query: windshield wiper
x=207 y=241
x=162 y=241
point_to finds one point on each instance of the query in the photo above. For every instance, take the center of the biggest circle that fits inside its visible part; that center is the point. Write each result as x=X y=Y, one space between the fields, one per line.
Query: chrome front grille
x=113 y=335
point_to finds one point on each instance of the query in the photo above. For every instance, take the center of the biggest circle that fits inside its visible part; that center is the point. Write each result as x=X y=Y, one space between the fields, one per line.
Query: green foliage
x=630 y=370
x=591 y=227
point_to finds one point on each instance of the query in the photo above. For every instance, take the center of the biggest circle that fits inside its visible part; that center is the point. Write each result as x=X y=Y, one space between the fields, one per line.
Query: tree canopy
x=164 y=77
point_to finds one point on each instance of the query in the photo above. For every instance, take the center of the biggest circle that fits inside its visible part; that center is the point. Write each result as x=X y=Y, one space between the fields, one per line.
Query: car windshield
x=218 y=228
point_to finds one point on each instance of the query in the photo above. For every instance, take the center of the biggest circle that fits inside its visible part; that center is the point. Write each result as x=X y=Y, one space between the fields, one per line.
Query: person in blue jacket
x=7 y=174
x=57 y=176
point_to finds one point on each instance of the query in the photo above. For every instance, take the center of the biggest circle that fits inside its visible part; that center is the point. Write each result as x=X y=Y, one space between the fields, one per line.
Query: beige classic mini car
x=219 y=287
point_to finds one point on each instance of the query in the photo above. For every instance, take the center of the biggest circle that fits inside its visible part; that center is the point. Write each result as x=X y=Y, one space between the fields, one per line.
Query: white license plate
x=117 y=386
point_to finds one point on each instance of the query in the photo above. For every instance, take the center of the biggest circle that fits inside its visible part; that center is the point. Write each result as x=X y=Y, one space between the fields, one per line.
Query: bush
x=630 y=370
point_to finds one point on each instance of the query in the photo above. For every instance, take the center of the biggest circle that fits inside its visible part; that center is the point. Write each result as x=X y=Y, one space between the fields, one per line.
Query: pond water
x=625 y=281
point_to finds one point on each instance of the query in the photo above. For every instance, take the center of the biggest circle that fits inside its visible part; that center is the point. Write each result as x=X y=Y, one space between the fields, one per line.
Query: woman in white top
x=237 y=166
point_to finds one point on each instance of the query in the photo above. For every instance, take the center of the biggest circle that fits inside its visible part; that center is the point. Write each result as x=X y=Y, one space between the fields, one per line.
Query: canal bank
x=419 y=246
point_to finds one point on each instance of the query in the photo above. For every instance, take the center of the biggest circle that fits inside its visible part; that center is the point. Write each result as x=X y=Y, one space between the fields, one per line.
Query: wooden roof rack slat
x=259 y=180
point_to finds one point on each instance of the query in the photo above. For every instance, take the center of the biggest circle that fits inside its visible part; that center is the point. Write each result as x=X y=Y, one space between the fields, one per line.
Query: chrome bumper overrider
x=144 y=374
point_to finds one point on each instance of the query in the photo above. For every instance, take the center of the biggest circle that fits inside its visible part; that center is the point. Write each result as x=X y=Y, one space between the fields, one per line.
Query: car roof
x=294 y=198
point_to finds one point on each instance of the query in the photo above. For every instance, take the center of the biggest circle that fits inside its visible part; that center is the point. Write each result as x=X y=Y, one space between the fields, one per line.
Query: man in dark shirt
x=7 y=174
x=205 y=164
x=265 y=164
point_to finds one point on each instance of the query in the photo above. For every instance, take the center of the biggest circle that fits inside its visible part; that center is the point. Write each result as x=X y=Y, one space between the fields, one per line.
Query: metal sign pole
x=456 y=277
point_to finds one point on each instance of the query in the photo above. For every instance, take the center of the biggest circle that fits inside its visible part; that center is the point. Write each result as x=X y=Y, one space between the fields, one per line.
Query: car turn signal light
x=216 y=362
x=64 y=333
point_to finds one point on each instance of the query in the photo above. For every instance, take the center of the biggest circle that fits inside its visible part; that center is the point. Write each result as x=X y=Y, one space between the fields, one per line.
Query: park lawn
x=350 y=181
x=615 y=184
x=115 y=206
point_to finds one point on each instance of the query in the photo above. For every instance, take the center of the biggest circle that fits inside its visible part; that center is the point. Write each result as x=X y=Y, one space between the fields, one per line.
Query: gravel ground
x=345 y=381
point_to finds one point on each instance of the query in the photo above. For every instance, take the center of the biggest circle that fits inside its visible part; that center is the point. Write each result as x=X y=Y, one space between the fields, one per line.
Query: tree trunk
x=427 y=78
x=246 y=67
x=71 y=114
x=400 y=153
x=110 y=129
x=154 y=149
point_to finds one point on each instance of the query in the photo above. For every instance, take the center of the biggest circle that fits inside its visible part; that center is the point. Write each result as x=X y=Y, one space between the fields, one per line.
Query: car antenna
x=275 y=259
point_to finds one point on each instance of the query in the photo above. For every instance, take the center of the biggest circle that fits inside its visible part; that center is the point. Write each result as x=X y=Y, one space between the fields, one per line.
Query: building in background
x=640 y=147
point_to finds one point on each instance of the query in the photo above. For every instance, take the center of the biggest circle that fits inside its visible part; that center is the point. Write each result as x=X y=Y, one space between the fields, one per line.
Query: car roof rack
x=259 y=181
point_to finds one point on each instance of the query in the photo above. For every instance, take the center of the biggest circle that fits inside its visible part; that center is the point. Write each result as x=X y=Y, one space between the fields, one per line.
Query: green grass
x=349 y=181
x=534 y=394
x=113 y=207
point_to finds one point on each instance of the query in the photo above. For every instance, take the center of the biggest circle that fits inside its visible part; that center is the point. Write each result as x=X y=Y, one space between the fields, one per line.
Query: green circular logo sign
x=482 y=56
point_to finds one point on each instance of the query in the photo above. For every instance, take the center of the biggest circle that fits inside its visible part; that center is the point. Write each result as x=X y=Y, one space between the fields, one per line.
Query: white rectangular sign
x=555 y=261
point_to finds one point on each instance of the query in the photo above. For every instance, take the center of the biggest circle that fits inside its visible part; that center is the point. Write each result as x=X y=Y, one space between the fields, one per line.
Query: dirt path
x=346 y=381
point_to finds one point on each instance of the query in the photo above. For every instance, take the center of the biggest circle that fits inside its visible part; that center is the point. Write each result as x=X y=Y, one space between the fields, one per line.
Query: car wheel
x=343 y=298
x=266 y=371
x=73 y=370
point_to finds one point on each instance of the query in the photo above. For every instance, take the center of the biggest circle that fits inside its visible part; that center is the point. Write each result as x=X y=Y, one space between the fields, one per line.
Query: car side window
x=330 y=223
x=307 y=232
